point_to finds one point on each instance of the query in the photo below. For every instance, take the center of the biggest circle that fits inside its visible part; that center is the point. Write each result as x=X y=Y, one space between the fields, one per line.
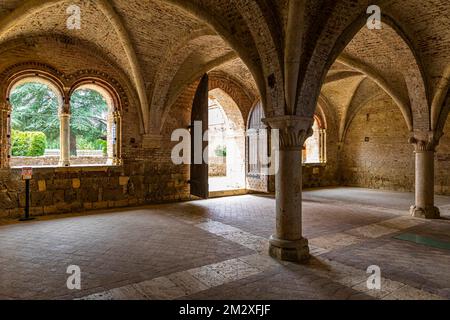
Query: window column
x=323 y=145
x=117 y=138
x=5 y=114
x=64 y=120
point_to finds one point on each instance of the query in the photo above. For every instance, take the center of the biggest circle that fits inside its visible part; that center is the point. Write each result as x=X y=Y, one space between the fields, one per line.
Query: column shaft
x=424 y=186
x=289 y=195
x=64 y=139
x=4 y=135
x=288 y=242
x=117 y=139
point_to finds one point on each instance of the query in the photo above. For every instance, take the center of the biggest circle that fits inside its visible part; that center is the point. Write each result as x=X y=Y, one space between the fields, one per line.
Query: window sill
x=73 y=168
x=318 y=164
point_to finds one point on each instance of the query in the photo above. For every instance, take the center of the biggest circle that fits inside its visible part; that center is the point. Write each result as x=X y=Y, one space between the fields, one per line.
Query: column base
x=293 y=251
x=64 y=164
x=428 y=213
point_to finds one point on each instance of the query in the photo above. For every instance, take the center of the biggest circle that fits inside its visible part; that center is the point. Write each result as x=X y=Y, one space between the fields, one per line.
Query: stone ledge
x=76 y=168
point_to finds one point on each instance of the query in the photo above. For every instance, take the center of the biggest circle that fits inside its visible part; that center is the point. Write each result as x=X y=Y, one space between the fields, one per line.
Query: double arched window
x=51 y=125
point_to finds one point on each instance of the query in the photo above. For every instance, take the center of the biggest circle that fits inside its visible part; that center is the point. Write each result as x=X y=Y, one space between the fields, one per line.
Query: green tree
x=88 y=122
x=35 y=109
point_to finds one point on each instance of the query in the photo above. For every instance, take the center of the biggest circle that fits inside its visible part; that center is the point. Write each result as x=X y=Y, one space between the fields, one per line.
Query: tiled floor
x=217 y=249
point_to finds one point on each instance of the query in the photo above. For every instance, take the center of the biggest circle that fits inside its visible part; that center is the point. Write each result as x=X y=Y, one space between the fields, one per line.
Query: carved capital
x=4 y=107
x=293 y=130
x=117 y=115
x=64 y=111
x=425 y=142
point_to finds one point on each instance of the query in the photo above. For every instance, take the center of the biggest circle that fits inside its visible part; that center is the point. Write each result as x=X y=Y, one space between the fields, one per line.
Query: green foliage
x=103 y=145
x=221 y=151
x=35 y=108
x=89 y=119
x=28 y=144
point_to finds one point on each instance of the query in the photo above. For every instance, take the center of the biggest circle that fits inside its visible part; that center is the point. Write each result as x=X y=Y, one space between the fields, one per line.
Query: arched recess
x=359 y=100
x=413 y=93
x=402 y=103
x=259 y=55
x=166 y=73
x=440 y=105
x=30 y=7
x=244 y=99
x=113 y=118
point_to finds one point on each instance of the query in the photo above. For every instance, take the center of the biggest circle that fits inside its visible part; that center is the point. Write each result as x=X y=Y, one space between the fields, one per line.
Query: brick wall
x=386 y=160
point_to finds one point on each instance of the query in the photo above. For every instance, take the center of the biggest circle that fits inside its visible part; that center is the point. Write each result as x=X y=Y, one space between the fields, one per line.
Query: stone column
x=425 y=152
x=323 y=145
x=64 y=122
x=4 y=134
x=117 y=138
x=288 y=242
x=110 y=141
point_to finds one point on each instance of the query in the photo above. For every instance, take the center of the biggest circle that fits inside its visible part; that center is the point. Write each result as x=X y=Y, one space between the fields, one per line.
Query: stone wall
x=217 y=166
x=442 y=170
x=54 y=160
x=376 y=153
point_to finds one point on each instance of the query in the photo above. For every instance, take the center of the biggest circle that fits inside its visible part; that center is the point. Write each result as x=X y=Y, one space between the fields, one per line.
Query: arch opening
x=33 y=124
x=92 y=126
x=314 y=150
x=226 y=143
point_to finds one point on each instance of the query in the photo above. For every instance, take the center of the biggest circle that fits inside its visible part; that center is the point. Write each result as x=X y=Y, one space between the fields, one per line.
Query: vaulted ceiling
x=164 y=46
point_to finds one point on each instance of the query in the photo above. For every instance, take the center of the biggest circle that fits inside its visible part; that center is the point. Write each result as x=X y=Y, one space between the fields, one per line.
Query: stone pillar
x=425 y=153
x=117 y=138
x=64 y=122
x=288 y=242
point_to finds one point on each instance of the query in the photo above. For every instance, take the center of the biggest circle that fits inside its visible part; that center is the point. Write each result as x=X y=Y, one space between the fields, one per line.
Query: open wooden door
x=199 y=127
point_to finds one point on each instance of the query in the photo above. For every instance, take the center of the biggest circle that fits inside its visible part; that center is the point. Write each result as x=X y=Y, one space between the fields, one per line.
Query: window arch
x=33 y=123
x=314 y=150
x=92 y=125
x=257 y=140
x=96 y=123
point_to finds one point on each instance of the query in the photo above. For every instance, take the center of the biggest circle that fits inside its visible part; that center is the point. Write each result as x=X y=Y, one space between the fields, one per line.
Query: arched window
x=257 y=141
x=314 y=150
x=91 y=126
x=34 y=123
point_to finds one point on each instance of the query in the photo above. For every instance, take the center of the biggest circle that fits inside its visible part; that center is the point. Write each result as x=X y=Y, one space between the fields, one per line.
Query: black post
x=27 y=202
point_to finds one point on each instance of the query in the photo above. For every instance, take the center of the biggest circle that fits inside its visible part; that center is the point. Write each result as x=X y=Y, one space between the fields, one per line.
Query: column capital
x=293 y=130
x=117 y=114
x=4 y=106
x=425 y=141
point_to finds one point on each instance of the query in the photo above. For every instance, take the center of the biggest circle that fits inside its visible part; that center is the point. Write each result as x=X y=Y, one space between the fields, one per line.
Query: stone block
x=76 y=183
x=123 y=181
x=8 y=200
x=42 y=186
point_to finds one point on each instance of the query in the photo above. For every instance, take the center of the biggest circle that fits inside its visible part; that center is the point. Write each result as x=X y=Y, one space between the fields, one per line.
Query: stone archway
x=226 y=143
